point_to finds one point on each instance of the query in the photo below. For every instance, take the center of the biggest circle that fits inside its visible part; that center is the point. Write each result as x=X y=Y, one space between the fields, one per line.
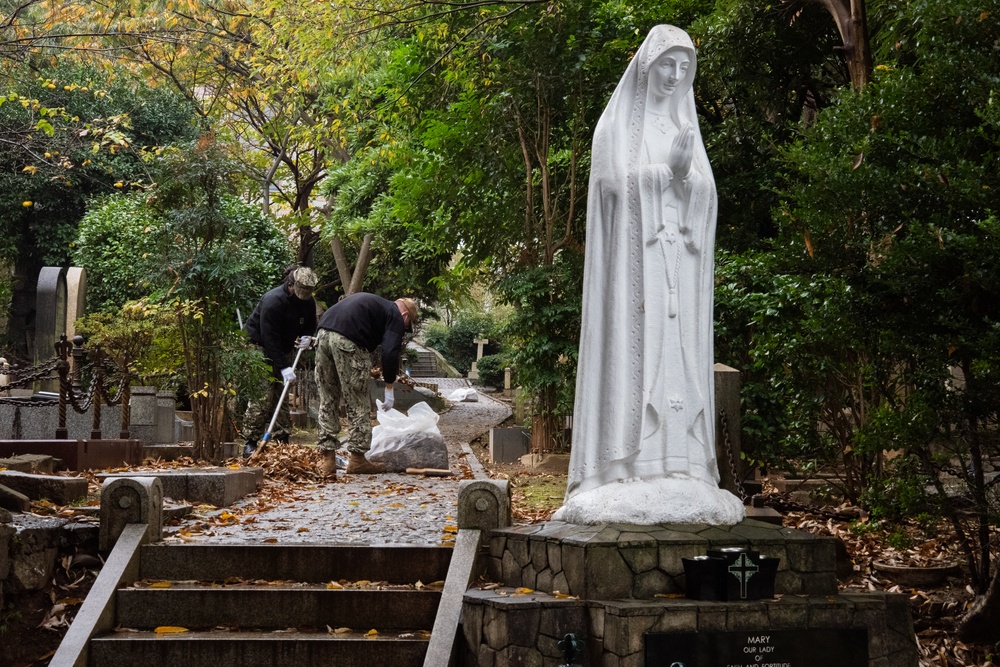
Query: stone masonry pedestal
x=612 y=584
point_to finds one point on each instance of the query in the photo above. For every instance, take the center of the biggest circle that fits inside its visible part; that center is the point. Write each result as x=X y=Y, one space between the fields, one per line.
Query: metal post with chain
x=727 y=446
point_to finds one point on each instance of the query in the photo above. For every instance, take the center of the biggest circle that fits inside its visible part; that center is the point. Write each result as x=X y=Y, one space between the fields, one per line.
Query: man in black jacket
x=348 y=333
x=284 y=319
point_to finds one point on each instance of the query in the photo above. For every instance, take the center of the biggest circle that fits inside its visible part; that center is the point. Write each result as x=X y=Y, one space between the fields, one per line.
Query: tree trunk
x=852 y=23
x=308 y=238
x=982 y=623
x=544 y=429
x=352 y=281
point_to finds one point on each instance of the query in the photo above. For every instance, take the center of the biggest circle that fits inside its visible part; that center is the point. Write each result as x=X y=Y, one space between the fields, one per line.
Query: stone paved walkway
x=371 y=509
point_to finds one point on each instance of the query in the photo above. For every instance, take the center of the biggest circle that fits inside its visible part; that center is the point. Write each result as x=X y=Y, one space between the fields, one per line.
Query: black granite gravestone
x=765 y=648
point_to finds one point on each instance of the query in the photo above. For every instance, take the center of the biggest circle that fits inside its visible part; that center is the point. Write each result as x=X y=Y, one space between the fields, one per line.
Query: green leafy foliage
x=870 y=322
x=139 y=336
x=491 y=370
x=211 y=264
x=120 y=243
x=69 y=133
x=116 y=243
x=543 y=331
x=457 y=341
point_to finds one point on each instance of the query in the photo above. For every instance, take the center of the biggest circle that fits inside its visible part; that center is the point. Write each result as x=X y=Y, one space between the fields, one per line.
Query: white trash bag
x=413 y=440
x=467 y=394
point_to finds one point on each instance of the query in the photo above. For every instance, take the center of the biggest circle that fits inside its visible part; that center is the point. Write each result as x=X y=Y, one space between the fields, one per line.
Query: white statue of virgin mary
x=644 y=421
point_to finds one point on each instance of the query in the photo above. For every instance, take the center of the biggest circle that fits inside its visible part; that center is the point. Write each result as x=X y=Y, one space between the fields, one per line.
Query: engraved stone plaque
x=764 y=648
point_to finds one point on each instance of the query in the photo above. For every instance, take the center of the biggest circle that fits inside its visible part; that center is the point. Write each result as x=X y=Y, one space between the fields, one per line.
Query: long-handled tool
x=277 y=409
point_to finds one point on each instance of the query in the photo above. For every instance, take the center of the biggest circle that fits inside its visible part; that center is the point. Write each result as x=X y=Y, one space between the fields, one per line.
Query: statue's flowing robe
x=645 y=385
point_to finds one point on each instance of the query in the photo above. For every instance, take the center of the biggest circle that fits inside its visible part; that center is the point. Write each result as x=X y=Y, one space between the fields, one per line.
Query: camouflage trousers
x=342 y=371
x=259 y=413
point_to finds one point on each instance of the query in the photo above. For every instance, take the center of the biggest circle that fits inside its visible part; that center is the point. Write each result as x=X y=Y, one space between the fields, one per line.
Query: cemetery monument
x=644 y=420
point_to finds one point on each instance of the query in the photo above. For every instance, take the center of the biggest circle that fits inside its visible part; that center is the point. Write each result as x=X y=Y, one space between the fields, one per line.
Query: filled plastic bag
x=468 y=394
x=413 y=440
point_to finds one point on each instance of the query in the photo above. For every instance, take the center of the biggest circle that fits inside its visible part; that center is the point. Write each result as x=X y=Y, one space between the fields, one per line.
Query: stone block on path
x=33 y=463
x=58 y=489
x=215 y=486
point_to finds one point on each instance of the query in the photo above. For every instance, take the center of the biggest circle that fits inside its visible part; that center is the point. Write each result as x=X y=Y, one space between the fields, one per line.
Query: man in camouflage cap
x=285 y=319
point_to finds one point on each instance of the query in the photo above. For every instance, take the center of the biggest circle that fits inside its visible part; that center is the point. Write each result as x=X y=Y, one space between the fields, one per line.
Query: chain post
x=126 y=398
x=727 y=445
x=78 y=354
x=95 y=429
x=63 y=348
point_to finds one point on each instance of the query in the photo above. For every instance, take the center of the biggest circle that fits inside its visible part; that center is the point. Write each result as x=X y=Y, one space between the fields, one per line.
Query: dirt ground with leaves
x=296 y=505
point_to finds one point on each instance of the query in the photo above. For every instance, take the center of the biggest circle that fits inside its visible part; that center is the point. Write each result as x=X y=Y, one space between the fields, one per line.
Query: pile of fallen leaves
x=290 y=463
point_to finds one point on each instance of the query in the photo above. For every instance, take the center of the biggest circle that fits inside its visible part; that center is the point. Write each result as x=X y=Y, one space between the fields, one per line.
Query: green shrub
x=120 y=243
x=116 y=244
x=491 y=368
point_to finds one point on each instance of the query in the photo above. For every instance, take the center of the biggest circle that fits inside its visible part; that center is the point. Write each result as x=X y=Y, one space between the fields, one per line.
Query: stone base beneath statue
x=621 y=561
x=507 y=627
x=615 y=585
x=649 y=502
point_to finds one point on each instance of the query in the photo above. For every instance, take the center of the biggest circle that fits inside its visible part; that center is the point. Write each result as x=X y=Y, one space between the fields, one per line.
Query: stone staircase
x=277 y=605
x=426 y=366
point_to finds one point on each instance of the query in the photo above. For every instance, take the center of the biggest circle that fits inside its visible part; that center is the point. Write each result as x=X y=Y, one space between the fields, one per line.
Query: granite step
x=267 y=606
x=316 y=563
x=279 y=649
x=271 y=604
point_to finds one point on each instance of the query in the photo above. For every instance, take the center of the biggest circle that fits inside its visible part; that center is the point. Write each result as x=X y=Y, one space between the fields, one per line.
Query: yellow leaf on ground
x=371 y=634
x=523 y=591
x=160 y=584
x=169 y=629
x=333 y=585
x=451 y=529
x=271 y=540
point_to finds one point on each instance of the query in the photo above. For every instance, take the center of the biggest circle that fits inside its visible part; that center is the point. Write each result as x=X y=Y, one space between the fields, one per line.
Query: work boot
x=249 y=447
x=359 y=465
x=328 y=467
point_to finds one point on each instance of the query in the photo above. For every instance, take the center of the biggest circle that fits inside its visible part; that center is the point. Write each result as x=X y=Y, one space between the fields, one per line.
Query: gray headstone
x=50 y=316
x=165 y=414
x=508 y=444
x=76 y=298
x=143 y=414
